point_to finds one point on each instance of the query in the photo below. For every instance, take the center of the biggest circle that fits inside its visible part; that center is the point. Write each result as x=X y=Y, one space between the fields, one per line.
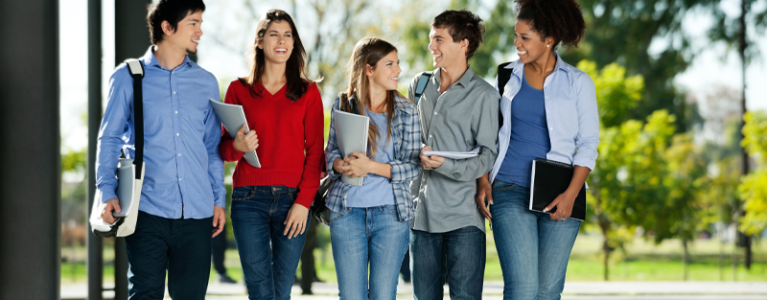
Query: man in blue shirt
x=182 y=200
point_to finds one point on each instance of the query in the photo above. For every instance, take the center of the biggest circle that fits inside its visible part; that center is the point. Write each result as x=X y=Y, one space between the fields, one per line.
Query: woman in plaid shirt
x=369 y=223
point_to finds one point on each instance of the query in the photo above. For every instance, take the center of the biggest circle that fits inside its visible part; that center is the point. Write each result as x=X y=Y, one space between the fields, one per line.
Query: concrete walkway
x=494 y=290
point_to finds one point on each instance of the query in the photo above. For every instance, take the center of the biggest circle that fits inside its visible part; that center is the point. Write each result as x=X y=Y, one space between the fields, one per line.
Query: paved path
x=494 y=290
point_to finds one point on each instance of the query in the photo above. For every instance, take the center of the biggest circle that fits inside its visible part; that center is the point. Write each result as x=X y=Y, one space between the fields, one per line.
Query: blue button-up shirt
x=571 y=113
x=184 y=175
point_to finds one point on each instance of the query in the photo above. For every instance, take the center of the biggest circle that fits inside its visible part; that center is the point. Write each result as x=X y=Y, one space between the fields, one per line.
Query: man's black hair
x=172 y=11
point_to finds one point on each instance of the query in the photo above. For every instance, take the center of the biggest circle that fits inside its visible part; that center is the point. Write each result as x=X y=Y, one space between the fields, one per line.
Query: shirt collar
x=463 y=81
x=519 y=67
x=151 y=61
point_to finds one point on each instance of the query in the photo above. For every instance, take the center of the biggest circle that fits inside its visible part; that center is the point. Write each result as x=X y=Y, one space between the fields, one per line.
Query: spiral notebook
x=549 y=179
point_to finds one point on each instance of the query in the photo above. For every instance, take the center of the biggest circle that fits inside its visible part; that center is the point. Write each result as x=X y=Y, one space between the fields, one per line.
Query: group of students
x=432 y=205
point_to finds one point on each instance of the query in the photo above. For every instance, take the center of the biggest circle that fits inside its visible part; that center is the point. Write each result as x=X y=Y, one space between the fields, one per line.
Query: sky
x=711 y=69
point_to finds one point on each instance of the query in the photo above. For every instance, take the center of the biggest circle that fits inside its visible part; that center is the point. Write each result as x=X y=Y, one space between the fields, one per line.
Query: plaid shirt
x=406 y=134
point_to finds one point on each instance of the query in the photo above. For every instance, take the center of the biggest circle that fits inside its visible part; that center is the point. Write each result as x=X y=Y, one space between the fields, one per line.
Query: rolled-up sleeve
x=587 y=138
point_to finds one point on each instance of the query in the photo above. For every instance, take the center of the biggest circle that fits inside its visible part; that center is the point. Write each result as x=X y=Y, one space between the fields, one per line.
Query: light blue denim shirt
x=571 y=113
x=184 y=170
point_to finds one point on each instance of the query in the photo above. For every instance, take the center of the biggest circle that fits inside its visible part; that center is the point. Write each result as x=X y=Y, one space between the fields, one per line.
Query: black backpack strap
x=504 y=75
x=420 y=86
x=136 y=69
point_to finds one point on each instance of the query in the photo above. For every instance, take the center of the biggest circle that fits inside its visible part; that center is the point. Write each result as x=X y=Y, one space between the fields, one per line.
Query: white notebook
x=351 y=136
x=454 y=154
x=233 y=117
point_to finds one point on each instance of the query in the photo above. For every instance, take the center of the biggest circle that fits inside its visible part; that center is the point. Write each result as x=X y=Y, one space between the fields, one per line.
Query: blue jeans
x=532 y=248
x=179 y=246
x=269 y=259
x=372 y=235
x=457 y=257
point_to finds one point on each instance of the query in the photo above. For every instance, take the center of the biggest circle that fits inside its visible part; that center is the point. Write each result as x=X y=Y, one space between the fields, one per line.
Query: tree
x=753 y=188
x=685 y=212
x=329 y=31
x=735 y=33
x=616 y=96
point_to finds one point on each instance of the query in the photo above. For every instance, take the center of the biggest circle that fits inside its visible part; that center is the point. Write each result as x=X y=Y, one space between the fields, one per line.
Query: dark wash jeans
x=180 y=246
x=458 y=254
x=532 y=248
x=269 y=259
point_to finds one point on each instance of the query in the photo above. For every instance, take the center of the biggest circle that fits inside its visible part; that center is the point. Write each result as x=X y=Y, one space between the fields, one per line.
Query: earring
x=547 y=46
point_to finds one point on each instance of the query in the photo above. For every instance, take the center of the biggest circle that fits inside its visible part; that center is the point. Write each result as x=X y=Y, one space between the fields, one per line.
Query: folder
x=233 y=117
x=351 y=136
x=549 y=179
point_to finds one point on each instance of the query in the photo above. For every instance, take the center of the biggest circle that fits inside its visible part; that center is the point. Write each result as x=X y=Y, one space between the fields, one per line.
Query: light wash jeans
x=363 y=236
x=532 y=248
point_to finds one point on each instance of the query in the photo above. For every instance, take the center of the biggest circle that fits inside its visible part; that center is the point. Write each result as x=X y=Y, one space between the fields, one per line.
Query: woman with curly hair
x=549 y=110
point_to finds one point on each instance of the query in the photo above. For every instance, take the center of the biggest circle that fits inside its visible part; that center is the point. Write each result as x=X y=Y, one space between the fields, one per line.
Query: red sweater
x=290 y=139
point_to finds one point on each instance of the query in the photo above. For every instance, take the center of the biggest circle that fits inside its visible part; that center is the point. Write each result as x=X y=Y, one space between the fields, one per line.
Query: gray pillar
x=30 y=185
x=95 y=262
x=131 y=40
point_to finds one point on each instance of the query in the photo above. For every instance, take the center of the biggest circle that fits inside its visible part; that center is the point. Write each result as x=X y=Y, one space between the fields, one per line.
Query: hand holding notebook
x=549 y=179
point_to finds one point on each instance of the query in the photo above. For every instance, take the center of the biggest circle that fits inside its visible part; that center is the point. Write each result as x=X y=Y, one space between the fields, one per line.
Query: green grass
x=643 y=262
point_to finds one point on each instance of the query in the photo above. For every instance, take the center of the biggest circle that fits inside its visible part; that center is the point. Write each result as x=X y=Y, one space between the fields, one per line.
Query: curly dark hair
x=559 y=19
x=462 y=24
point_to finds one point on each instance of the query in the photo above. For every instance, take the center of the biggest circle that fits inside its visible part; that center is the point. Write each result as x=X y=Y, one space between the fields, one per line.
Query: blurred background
x=680 y=188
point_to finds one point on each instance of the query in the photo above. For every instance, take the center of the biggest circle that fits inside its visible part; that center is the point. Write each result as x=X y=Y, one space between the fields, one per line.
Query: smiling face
x=385 y=73
x=529 y=43
x=277 y=42
x=445 y=52
x=187 y=35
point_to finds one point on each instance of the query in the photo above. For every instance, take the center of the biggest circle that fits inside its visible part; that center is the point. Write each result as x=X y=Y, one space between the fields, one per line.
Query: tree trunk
x=604 y=227
x=686 y=259
x=721 y=258
x=742 y=46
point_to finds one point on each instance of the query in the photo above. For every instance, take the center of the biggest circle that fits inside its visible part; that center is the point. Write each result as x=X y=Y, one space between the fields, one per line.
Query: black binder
x=549 y=179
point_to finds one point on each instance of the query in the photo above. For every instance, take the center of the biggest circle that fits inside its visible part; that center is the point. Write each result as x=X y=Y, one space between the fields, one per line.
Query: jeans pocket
x=499 y=186
x=391 y=209
x=242 y=193
x=335 y=216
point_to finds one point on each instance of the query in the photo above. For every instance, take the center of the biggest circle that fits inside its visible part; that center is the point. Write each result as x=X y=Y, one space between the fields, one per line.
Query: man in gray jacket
x=458 y=112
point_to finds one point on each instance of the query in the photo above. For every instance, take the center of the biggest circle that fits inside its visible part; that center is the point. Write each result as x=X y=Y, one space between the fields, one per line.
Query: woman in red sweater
x=270 y=205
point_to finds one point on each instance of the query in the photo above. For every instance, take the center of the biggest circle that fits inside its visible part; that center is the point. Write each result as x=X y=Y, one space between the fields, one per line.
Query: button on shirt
x=571 y=112
x=461 y=118
x=184 y=175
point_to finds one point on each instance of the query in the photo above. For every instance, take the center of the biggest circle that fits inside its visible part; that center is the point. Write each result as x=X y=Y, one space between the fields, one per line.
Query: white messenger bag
x=130 y=172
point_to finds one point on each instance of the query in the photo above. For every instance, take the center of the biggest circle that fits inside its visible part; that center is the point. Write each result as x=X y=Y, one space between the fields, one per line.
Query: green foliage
x=753 y=187
x=74 y=160
x=617 y=94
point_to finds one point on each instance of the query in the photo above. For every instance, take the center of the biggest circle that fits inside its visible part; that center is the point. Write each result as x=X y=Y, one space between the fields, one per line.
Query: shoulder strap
x=423 y=81
x=136 y=69
x=348 y=104
x=504 y=75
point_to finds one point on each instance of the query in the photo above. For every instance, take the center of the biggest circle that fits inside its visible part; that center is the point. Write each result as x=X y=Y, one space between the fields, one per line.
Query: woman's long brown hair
x=295 y=71
x=368 y=52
